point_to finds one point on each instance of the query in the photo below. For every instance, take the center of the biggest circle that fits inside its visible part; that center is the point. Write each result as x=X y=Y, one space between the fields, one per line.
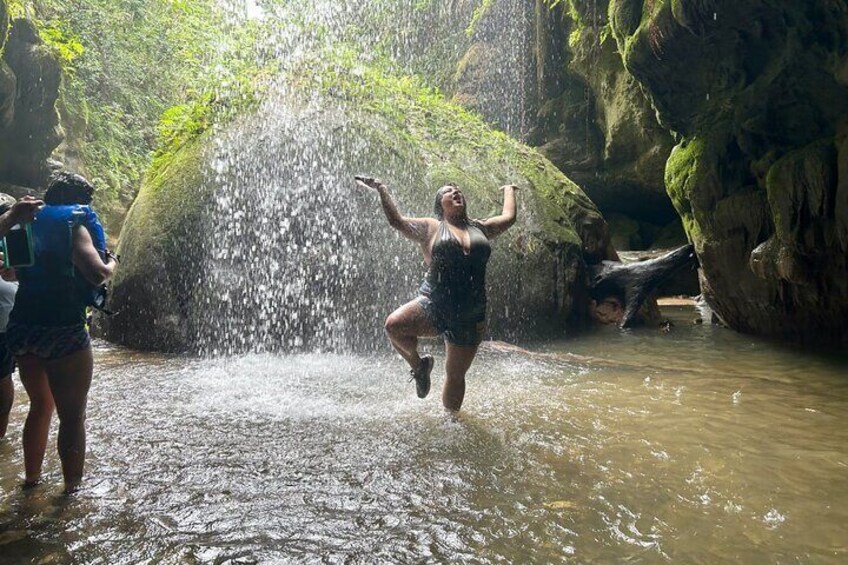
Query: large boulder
x=253 y=236
x=757 y=93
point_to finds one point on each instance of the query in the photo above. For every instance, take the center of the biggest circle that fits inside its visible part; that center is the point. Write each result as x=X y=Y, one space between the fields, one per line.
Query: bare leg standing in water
x=70 y=380
x=456 y=365
x=453 y=297
x=37 y=425
x=7 y=398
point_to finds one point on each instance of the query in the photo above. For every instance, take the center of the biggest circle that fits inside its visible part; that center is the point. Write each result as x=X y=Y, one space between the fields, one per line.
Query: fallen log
x=633 y=283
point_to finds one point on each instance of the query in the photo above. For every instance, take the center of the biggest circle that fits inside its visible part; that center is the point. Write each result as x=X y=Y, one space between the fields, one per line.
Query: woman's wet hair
x=437 y=205
x=69 y=188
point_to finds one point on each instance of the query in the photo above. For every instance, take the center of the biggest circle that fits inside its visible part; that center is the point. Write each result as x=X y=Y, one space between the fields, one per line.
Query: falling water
x=503 y=36
x=288 y=209
x=295 y=250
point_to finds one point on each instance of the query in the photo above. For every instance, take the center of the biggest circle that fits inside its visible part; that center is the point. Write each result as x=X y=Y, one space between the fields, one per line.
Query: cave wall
x=757 y=94
x=578 y=105
x=595 y=122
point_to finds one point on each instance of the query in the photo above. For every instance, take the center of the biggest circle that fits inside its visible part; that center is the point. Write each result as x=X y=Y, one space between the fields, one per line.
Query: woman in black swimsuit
x=452 y=300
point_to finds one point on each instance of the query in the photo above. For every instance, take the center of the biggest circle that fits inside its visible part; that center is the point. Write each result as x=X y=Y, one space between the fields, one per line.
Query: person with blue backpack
x=47 y=330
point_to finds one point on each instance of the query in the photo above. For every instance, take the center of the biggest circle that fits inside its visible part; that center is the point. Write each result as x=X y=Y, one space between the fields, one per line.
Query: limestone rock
x=757 y=95
x=8 y=87
x=31 y=120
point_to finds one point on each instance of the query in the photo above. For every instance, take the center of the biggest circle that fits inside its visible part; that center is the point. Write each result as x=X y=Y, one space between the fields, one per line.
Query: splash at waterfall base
x=252 y=236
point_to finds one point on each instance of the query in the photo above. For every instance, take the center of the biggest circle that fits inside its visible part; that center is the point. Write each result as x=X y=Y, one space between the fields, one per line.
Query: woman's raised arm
x=496 y=225
x=416 y=229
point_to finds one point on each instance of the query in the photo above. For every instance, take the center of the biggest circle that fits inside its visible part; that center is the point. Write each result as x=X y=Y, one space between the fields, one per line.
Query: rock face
x=578 y=104
x=495 y=76
x=758 y=94
x=254 y=237
x=30 y=76
x=596 y=124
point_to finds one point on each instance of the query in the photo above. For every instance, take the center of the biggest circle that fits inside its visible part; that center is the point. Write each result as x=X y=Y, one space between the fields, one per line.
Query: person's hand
x=7 y=274
x=23 y=211
x=512 y=186
x=369 y=182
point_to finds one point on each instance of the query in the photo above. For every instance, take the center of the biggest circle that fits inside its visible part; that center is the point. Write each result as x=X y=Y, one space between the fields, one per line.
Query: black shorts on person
x=46 y=342
x=7 y=360
x=461 y=333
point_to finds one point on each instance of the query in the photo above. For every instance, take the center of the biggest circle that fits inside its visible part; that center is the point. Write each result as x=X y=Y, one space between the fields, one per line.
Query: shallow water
x=697 y=446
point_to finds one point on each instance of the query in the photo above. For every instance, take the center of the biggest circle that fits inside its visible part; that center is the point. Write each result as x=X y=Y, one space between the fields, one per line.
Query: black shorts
x=7 y=360
x=456 y=332
x=46 y=342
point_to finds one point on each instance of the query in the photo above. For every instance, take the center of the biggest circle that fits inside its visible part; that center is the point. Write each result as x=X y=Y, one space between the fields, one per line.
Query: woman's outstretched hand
x=369 y=182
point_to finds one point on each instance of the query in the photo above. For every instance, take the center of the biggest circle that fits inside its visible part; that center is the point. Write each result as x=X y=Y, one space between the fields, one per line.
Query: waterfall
x=285 y=251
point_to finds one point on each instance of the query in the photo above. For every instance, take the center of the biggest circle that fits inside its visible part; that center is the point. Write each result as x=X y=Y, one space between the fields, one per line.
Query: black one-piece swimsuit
x=454 y=290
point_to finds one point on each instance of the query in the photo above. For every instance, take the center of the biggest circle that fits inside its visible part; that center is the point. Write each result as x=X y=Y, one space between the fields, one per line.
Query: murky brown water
x=700 y=446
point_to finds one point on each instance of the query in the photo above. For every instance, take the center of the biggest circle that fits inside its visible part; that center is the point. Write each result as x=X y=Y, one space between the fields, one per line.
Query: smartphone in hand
x=17 y=247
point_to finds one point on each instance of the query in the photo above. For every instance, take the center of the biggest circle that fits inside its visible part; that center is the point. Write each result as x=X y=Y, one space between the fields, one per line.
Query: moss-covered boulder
x=254 y=236
x=757 y=93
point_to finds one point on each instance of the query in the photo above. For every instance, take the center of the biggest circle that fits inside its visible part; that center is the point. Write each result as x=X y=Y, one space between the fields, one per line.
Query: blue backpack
x=52 y=240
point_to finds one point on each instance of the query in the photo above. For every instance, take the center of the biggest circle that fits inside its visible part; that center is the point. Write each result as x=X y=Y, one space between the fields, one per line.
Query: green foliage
x=17 y=9
x=128 y=62
x=62 y=41
x=479 y=12
x=183 y=121
x=401 y=97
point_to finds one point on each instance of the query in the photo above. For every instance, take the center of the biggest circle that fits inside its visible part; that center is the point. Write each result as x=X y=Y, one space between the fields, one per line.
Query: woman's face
x=453 y=201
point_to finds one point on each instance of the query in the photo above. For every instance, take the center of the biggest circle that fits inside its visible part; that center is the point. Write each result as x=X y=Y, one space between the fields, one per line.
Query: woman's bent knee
x=393 y=325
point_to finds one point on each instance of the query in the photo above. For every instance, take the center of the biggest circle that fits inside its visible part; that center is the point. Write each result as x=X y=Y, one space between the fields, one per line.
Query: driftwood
x=633 y=283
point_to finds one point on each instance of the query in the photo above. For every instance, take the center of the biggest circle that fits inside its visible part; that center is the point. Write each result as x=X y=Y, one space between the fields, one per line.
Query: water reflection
x=698 y=446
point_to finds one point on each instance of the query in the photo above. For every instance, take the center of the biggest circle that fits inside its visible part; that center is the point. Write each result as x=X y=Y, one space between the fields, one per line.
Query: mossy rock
x=253 y=236
x=760 y=110
x=32 y=122
x=4 y=24
x=602 y=130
